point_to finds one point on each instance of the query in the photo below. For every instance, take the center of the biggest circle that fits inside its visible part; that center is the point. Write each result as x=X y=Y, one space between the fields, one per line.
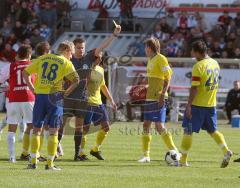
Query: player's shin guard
x=52 y=149
x=99 y=140
x=35 y=144
x=185 y=146
x=41 y=145
x=146 y=141
x=26 y=144
x=77 y=140
x=11 y=142
x=83 y=143
x=219 y=139
x=167 y=138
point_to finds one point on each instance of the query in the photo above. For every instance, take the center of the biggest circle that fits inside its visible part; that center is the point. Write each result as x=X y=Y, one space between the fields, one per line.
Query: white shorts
x=20 y=112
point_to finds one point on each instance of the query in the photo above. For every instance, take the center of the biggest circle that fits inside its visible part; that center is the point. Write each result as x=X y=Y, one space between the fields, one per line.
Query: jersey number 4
x=52 y=73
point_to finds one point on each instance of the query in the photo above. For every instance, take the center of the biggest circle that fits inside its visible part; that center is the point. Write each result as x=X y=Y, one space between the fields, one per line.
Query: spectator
x=11 y=39
x=182 y=21
x=45 y=31
x=36 y=38
x=216 y=50
x=100 y=24
x=126 y=13
x=23 y=14
x=191 y=22
x=18 y=30
x=48 y=14
x=224 y=54
x=218 y=31
x=16 y=46
x=201 y=22
x=172 y=49
x=231 y=28
x=233 y=100
x=222 y=43
x=237 y=53
x=159 y=34
x=1 y=43
x=225 y=19
x=6 y=29
x=237 y=20
x=8 y=54
x=230 y=50
x=171 y=19
x=164 y=26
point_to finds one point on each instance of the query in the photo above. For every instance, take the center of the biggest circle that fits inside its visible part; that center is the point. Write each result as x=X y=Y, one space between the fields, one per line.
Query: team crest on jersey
x=85 y=66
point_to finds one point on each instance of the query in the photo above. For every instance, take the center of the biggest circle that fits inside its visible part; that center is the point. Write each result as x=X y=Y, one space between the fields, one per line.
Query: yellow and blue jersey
x=205 y=75
x=50 y=70
x=94 y=85
x=158 y=70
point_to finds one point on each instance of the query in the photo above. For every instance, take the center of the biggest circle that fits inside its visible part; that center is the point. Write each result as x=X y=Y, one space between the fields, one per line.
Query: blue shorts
x=48 y=110
x=153 y=112
x=202 y=118
x=96 y=114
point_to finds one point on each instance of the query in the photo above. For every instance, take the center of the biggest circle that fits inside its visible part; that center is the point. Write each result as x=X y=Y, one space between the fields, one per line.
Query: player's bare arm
x=27 y=78
x=107 y=94
x=192 y=95
x=74 y=84
x=109 y=40
x=166 y=84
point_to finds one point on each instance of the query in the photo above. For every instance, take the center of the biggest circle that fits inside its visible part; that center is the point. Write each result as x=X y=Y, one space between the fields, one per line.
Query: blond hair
x=153 y=43
x=66 y=46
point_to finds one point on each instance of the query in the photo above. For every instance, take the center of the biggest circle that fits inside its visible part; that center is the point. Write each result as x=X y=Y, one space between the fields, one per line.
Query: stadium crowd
x=176 y=33
x=29 y=22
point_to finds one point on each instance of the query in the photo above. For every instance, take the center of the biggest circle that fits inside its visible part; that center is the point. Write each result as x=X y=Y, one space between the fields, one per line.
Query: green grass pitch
x=122 y=149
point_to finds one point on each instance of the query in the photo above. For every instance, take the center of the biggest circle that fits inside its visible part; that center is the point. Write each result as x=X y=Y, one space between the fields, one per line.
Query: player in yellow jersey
x=201 y=108
x=159 y=75
x=97 y=112
x=51 y=70
x=41 y=49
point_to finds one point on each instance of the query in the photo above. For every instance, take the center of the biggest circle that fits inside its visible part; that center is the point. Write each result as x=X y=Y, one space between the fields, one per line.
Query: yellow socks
x=26 y=144
x=167 y=138
x=52 y=149
x=219 y=139
x=35 y=143
x=186 y=145
x=146 y=141
x=41 y=145
x=99 y=140
x=83 y=143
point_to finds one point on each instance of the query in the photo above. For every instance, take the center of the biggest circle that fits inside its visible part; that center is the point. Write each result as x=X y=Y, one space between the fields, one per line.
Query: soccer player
x=96 y=110
x=42 y=48
x=76 y=103
x=21 y=98
x=50 y=69
x=159 y=75
x=201 y=110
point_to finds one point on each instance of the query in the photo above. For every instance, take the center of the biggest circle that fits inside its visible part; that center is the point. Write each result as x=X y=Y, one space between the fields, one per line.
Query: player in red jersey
x=21 y=98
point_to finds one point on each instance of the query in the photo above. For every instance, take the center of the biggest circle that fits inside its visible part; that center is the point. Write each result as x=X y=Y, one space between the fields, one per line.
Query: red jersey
x=18 y=89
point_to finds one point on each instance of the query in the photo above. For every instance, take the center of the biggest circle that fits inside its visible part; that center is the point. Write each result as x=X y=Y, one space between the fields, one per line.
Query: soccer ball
x=172 y=158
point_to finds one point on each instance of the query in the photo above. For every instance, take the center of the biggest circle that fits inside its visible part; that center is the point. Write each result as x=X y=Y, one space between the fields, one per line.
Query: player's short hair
x=24 y=51
x=153 y=43
x=199 y=46
x=79 y=40
x=42 y=48
x=66 y=45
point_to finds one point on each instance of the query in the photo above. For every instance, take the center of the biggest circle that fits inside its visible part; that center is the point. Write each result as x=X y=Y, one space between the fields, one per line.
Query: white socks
x=11 y=143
